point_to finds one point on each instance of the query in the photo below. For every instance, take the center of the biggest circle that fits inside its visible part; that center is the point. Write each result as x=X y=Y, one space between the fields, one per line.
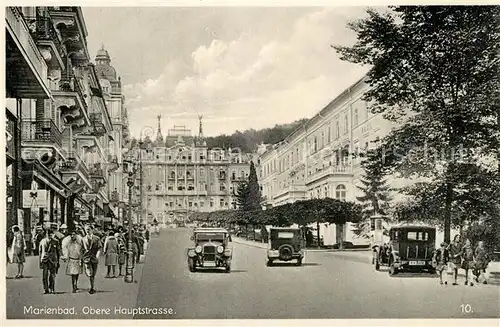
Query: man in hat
x=50 y=252
x=64 y=230
x=92 y=248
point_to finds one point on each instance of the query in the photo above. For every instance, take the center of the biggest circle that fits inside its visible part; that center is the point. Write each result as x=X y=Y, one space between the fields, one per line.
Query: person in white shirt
x=72 y=249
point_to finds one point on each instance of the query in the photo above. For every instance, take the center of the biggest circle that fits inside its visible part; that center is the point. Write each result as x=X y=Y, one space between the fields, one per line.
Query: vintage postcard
x=217 y=162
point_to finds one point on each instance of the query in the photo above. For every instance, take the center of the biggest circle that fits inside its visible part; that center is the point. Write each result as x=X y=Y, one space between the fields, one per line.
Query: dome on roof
x=103 y=68
x=102 y=54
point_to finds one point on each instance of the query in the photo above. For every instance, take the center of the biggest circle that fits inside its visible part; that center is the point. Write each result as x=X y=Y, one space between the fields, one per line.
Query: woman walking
x=455 y=257
x=111 y=254
x=122 y=252
x=468 y=262
x=18 y=248
x=481 y=262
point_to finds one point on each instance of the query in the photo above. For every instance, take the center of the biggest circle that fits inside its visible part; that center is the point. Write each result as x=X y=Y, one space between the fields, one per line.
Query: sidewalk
x=25 y=296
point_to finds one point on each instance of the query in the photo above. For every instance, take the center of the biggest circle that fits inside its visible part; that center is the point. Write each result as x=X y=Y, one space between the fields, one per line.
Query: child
x=482 y=260
x=440 y=261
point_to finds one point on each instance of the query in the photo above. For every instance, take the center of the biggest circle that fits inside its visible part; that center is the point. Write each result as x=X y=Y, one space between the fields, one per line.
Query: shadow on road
x=292 y=264
x=415 y=275
x=24 y=277
x=218 y=271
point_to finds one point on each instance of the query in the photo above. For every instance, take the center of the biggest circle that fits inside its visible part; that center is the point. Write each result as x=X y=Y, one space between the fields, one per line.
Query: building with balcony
x=182 y=175
x=58 y=119
x=314 y=161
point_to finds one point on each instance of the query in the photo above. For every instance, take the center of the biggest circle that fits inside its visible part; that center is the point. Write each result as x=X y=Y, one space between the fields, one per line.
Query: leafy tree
x=439 y=63
x=376 y=193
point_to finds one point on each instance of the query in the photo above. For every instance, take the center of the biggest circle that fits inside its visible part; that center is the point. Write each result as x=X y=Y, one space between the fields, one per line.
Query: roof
x=210 y=230
x=413 y=227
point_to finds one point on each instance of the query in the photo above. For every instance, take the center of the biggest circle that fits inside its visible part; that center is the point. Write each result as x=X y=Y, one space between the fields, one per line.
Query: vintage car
x=285 y=244
x=211 y=249
x=410 y=248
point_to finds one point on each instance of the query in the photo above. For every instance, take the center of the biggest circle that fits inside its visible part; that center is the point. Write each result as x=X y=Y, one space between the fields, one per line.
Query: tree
x=254 y=195
x=439 y=63
x=376 y=193
x=241 y=194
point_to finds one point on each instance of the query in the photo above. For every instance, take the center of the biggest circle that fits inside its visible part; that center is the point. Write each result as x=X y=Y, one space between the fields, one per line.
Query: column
x=51 y=205
x=62 y=205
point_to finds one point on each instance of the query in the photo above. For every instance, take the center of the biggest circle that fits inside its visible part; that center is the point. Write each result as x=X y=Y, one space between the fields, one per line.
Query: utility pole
x=140 y=182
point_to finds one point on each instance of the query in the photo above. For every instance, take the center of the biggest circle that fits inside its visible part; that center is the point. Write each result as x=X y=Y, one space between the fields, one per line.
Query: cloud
x=253 y=81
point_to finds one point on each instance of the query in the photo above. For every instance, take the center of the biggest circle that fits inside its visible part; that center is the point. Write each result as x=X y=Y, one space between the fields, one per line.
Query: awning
x=45 y=176
x=110 y=210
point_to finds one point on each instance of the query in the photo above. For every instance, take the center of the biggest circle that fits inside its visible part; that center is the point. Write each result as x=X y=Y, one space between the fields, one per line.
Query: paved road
x=328 y=286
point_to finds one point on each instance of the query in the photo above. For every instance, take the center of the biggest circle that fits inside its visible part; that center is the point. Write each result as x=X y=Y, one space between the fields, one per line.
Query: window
x=190 y=203
x=233 y=175
x=171 y=203
x=337 y=130
x=329 y=134
x=315 y=144
x=341 y=192
x=172 y=174
x=326 y=191
x=356 y=118
x=221 y=202
x=211 y=204
x=222 y=187
x=346 y=124
x=322 y=140
x=417 y=236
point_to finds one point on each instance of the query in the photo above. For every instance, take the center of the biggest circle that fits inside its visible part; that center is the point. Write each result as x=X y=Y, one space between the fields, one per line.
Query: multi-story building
x=63 y=120
x=181 y=175
x=314 y=161
x=119 y=136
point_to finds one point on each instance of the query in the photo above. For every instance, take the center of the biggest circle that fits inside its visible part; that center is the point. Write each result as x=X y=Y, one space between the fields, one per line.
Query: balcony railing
x=41 y=131
x=97 y=171
x=75 y=163
x=330 y=170
x=42 y=28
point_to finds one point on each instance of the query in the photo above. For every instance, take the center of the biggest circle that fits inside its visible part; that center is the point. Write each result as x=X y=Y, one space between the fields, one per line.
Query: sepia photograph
x=252 y=162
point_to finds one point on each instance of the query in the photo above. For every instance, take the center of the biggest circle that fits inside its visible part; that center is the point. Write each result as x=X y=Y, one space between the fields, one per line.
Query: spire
x=159 y=136
x=200 y=117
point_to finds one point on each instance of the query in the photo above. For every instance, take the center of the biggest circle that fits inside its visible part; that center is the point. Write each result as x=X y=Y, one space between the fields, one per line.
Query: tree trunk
x=341 y=245
x=317 y=233
x=447 y=213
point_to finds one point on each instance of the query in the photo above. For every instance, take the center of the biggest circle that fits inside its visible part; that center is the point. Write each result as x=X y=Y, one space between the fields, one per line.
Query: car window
x=209 y=236
x=285 y=235
x=417 y=236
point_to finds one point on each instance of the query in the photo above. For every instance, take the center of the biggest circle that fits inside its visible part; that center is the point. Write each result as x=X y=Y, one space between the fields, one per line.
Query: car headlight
x=220 y=249
x=198 y=249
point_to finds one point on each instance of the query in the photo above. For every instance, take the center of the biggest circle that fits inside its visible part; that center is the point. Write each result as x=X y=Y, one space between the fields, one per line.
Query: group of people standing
x=457 y=256
x=80 y=248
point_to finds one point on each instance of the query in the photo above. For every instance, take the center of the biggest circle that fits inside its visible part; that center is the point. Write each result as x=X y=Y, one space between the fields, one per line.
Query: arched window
x=341 y=192
x=172 y=174
x=326 y=191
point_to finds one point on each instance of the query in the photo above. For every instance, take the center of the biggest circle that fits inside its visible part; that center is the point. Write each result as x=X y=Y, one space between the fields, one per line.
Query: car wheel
x=392 y=270
x=269 y=263
x=191 y=265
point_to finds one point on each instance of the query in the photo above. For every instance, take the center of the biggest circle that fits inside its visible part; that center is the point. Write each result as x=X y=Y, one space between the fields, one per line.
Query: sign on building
x=35 y=199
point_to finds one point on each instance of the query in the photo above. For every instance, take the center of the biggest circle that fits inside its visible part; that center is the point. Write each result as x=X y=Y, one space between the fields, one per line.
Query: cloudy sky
x=240 y=68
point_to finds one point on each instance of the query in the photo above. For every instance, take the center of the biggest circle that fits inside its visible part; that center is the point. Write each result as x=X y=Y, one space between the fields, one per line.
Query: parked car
x=285 y=244
x=411 y=248
x=211 y=249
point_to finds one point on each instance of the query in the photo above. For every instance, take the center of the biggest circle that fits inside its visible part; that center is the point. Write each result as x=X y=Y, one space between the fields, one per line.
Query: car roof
x=413 y=226
x=210 y=230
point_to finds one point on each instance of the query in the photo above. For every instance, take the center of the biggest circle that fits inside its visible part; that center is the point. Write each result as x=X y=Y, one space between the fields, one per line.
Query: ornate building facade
x=181 y=175
x=58 y=120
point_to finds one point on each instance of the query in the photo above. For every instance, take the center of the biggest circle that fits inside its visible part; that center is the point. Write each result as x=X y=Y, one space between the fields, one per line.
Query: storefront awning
x=48 y=178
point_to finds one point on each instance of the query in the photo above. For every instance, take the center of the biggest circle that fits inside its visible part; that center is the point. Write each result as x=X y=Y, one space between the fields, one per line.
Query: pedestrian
x=50 y=252
x=18 y=248
x=455 y=261
x=122 y=252
x=63 y=229
x=72 y=248
x=481 y=262
x=468 y=262
x=440 y=260
x=111 y=254
x=29 y=243
x=92 y=248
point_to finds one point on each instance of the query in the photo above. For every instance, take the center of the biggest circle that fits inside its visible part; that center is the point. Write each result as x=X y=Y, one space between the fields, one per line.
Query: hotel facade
x=314 y=161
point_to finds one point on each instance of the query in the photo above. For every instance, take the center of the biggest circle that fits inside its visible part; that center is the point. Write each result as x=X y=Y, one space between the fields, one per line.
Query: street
x=328 y=286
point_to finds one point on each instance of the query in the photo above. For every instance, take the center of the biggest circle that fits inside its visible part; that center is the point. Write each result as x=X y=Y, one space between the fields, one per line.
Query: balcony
x=47 y=38
x=97 y=172
x=71 y=25
x=75 y=164
x=292 y=191
x=329 y=171
x=26 y=70
x=41 y=131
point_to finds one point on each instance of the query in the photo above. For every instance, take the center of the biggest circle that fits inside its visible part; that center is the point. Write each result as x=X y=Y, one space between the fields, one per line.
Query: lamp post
x=129 y=268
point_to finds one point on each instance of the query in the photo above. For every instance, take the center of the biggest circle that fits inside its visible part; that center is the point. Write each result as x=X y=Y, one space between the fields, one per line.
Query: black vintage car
x=211 y=249
x=285 y=244
x=411 y=248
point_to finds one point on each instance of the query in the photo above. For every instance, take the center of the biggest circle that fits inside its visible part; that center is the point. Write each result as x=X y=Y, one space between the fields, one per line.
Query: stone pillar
x=62 y=205
x=51 y=205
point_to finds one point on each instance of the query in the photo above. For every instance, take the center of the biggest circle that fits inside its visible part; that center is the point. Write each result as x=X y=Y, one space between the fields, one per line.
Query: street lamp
x=129 y=268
